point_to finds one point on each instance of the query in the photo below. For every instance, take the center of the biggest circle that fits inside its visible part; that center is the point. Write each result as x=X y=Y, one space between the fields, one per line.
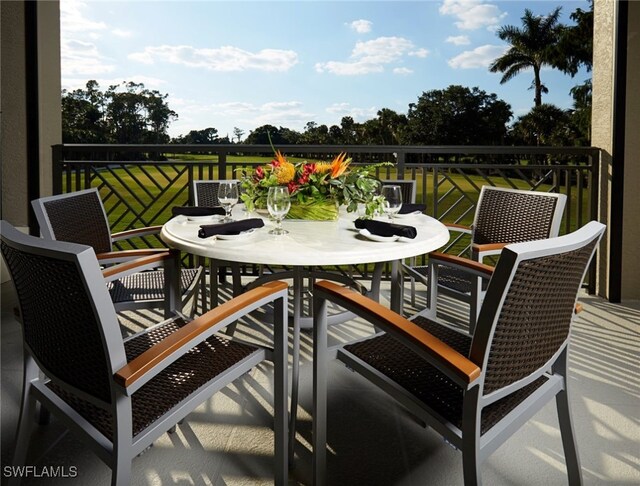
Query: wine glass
x=228 y=197
x=278 y=204
x=392 y=199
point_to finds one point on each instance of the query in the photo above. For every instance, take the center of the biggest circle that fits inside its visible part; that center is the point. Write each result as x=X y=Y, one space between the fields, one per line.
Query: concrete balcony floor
x=372 y=440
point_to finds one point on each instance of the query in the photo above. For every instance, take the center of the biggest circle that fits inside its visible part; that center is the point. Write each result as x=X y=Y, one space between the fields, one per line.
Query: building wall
x=631 y=216
x=605 y=12
x=49 y=88
x=13 y=154
x=14 y=117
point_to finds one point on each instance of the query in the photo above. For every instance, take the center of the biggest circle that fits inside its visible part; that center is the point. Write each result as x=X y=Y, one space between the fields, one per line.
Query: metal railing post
x=222 y=165
x=400 y=164
x=56 y=157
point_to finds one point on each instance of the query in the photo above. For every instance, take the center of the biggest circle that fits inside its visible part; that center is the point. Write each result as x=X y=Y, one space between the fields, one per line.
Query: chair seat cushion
x=179 y=380
x=428 y=384
x=146 y=286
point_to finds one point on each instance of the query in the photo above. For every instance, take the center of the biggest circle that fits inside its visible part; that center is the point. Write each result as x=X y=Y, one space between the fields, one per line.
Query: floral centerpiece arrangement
x=317 y=189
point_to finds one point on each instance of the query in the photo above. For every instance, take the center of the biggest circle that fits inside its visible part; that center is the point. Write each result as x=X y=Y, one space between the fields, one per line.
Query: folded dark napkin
x=233 y=228
x=196 y=211
x=381 y=228
x=407 y=208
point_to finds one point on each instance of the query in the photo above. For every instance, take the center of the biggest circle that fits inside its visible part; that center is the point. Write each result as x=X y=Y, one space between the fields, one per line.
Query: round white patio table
x=309 y=244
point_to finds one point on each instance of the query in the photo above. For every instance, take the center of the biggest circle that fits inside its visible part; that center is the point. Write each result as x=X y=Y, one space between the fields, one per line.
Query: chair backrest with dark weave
x=205 y=193
x=76 y=217
x=513 y=216
x=529 y=306
x=407 y=187
x=61 y=321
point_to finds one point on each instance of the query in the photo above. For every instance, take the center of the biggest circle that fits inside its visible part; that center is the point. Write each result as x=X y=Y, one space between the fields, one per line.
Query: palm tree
x=532 y=46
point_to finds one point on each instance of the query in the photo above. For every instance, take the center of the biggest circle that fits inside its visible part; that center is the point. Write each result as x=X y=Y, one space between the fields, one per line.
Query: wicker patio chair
x=80 y=217
x=205 y=193
x=476 y=391
x=502 y=216
x=119 y=396
x=407 y=187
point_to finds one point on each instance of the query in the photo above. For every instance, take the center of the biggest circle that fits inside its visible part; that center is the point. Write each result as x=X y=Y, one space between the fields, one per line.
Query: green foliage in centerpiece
x=320 y=210
x=315 y=187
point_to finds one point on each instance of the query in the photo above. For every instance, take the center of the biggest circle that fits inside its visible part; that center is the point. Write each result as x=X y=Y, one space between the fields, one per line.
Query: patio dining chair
x=80 y=217
x=407 y=187
x=502 y=216
x=205 y=193
x=476 y=391
x=119 y=396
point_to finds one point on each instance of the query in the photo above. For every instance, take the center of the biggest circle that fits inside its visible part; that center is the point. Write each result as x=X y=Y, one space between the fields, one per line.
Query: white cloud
x=79 y=57
x=473 y=14
x=348 y=68
x=285 y=113
x=72 y=18
x=125 y=34
x=480 y=57
x=345 y=109
x=361 y=26
x=381 y=50
x=246 y=115
x=225 y=58
x=458 y=40
x=402 y=70
x=422 y=53
x=371 y=56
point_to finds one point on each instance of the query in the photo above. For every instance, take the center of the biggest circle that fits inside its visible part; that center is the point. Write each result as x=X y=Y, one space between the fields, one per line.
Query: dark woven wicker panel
x=59 y=323
x=508 y=217
x=425 y=382
x=80 y=219
x=146 y=285
x=208 y=194
x=536 y=316
x=459 y=341
x=185 y=376
x=456 y=279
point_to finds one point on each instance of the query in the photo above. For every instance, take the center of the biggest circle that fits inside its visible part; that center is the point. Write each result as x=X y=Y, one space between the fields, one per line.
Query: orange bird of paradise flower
x=279 y=159
x=339 y=165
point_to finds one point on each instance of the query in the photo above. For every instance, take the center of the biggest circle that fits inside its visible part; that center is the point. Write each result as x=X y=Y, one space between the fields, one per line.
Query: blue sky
x=245 y=64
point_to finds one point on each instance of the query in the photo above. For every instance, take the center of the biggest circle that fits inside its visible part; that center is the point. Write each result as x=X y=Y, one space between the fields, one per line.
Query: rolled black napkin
x=381 y=228
x=196 y=210
x=407 y=208
x=233 y=228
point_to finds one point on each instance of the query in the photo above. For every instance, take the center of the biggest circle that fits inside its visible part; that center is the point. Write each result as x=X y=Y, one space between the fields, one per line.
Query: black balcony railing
x=140 y=183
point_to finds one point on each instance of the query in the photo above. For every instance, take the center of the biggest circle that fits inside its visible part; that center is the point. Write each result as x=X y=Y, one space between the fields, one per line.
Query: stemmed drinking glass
x=278 y=204
x=392 y=200
x=228 y=197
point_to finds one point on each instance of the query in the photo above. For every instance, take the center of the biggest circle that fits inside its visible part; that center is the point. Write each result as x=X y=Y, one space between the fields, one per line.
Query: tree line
x=456 y=115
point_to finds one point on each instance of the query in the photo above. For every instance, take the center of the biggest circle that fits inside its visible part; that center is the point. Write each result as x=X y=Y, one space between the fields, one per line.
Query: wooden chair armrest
x=460 y=228
x=123 y=235
x=438 y=353
x=133 y=266
x=477 y=268
x=193 y=333
x=494 y=247
x=119 y=256
x=578 y=308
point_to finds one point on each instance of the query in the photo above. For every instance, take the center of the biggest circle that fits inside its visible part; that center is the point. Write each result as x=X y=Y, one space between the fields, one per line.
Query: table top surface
x=308 y=242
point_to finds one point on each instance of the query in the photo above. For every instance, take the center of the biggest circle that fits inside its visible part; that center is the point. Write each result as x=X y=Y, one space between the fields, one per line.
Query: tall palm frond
x=531 y=46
